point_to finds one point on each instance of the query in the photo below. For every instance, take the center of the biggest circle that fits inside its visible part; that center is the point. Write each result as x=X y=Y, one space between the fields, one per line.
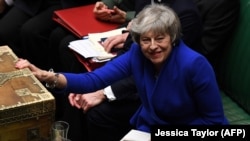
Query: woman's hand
x=40 y=74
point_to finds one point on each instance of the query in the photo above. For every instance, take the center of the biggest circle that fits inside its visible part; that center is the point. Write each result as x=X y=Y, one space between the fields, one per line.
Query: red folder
x=88 y=63
x=81 y=20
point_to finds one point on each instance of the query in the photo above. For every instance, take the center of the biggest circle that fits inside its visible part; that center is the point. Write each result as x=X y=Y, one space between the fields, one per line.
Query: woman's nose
x=153 y=44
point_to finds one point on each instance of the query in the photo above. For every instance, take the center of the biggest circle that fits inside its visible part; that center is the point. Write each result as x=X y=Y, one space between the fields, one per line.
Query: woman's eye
x=145 y=40
x=159 y=39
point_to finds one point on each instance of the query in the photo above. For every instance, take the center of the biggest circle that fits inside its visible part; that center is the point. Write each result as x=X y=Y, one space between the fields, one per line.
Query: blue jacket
x=185 y=91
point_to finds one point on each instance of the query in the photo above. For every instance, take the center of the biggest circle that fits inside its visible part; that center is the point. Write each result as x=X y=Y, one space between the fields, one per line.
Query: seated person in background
x=27 y=25
x=165 y=70
x=219 y=19
x=60 y=37
x=25 y=15
x=35 y=43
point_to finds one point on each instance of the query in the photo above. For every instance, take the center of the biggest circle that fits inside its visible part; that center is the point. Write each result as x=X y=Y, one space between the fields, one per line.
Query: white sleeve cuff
x=9 y=2
x=109 y=93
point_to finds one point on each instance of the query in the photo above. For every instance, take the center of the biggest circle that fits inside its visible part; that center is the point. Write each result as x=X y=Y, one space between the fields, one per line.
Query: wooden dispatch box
x=27 y=108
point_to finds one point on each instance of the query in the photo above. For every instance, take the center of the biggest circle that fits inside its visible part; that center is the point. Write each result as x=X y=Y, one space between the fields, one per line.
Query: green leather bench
x=234 y=70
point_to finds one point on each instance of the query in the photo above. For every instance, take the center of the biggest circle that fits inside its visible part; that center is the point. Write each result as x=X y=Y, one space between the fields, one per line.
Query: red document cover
x=81 y=20
x=88 y=63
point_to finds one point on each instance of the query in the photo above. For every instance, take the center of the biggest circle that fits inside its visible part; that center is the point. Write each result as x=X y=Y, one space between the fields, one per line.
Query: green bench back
x=234 y=68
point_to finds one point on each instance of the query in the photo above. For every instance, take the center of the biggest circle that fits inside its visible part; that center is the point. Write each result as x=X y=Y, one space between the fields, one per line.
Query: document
x=87 y=49
x=136 y=135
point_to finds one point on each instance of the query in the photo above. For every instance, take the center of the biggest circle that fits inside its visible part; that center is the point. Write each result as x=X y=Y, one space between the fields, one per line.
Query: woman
x=176 y=84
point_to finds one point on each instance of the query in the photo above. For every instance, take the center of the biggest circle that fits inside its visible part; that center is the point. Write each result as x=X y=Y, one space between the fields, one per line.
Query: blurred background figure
x=219 y=19
x=5 y=6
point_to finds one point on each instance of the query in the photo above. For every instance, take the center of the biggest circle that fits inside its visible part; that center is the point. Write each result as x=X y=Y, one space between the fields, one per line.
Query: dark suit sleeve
x=191 y=26
x=74 y=3
x=30 y=7
x=125 y=89
x=219 y=19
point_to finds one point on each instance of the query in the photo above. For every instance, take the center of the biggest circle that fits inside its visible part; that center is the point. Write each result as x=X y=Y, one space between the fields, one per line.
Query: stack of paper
x=136 y=135
x=91 y=47
x=88 y=50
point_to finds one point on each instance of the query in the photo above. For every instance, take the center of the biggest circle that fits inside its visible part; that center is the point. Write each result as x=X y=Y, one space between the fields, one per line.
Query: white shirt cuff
x=9 y=2
x=109 y=93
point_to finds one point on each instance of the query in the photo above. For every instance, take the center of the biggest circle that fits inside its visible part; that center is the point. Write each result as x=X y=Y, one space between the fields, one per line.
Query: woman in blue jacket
x=176 y=84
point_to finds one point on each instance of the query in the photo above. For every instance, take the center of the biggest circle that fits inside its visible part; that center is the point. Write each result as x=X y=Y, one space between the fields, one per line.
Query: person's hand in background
x=116 y=41
x=118 y=16
x=86 y=101
x=102 y=12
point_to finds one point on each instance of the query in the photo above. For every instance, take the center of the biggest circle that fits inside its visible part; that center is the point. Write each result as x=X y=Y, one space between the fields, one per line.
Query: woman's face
x=156 y=47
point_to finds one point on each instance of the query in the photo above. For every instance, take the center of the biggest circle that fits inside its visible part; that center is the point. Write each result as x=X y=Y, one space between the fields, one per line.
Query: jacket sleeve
x=125 y=89
x=219 y=20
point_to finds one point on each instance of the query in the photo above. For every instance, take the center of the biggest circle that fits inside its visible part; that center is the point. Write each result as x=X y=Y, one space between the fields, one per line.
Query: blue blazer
x=185 y=91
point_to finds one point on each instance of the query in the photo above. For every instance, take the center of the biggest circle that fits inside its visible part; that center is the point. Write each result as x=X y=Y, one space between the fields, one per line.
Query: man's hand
x=116 y=41
x=102 y=12
x=118 y=16
x=86 y=101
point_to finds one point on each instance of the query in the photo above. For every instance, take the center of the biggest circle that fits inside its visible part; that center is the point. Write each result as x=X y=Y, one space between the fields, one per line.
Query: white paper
x=87 y=49
x=136 y=135
x=91 y=47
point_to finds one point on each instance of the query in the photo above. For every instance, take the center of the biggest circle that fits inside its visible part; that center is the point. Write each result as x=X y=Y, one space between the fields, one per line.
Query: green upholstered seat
x=235 y=114
x=234 y=70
